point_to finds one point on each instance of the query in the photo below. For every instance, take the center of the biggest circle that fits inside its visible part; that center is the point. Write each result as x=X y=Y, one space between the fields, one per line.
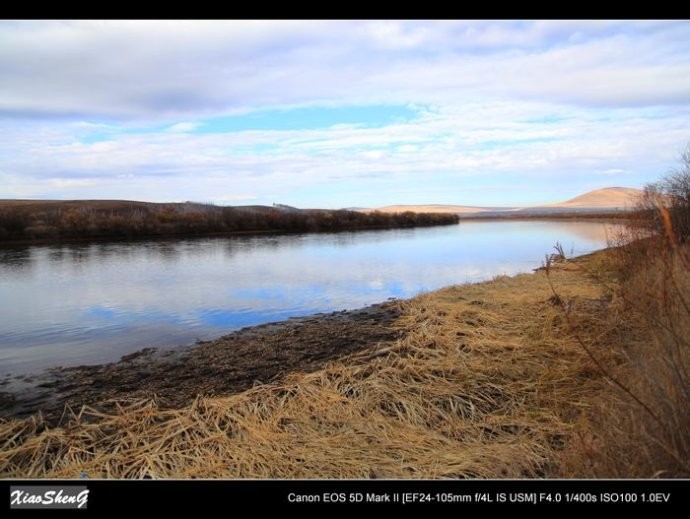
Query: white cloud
x=183 y=127
x=232 y=198
x=117 y=107
x=154 y=69
x=440 y=153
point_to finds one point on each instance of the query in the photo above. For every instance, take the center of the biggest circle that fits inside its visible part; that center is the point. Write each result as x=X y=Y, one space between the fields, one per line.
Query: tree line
x=105 y=219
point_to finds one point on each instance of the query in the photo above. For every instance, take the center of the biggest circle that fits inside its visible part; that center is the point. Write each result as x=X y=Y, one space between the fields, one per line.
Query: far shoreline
x=613 y=217
x=53 y=220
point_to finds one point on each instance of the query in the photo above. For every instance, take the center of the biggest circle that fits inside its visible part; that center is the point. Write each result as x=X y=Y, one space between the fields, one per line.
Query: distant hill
x=100 y=204
x=618 y=197
x=610 y=199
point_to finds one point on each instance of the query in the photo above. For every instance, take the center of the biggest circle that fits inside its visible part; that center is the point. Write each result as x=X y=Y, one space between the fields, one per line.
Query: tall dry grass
x=641 y=426
x=487 y=381
x=645 y=430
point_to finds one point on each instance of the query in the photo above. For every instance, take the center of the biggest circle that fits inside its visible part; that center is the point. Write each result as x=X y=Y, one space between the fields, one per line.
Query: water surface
x=90 y=303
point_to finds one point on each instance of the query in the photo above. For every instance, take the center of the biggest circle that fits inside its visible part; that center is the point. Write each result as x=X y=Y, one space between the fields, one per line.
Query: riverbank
x=229 y=364
x=43 y=221
x=482 y=380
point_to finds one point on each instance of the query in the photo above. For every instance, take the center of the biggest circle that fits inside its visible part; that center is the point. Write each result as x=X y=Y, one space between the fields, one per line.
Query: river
x=70 y=304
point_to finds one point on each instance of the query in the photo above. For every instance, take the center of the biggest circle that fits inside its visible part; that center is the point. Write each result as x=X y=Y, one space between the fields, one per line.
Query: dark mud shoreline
x=221 y=366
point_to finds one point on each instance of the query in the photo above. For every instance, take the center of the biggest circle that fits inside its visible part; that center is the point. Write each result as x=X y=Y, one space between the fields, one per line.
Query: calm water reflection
x=89 y=303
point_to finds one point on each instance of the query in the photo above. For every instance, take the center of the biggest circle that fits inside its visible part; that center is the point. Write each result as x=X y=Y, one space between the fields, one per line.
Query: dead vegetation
x=640 y=426
x=27 y=220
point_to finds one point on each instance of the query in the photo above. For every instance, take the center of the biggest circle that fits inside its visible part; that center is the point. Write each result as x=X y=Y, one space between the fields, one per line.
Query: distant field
x=457 y=209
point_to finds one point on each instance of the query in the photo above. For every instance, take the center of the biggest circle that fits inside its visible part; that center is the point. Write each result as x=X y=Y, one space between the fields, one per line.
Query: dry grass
x=641 y=426
x=488 y=381
x=644 y=431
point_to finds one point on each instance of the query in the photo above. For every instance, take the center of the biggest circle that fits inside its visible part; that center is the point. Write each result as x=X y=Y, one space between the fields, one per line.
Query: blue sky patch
x=309 y=118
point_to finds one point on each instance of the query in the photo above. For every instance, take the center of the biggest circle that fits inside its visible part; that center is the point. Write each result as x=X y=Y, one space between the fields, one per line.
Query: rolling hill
x=600 y=200
x=618 y=197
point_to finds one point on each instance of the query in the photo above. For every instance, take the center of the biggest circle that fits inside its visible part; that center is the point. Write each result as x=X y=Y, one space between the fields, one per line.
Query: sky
x=339 y=114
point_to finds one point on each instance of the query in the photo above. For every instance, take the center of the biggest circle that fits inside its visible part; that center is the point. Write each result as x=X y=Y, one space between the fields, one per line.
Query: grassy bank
x=28 y=220
x=640 y=427
x=488 y=380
